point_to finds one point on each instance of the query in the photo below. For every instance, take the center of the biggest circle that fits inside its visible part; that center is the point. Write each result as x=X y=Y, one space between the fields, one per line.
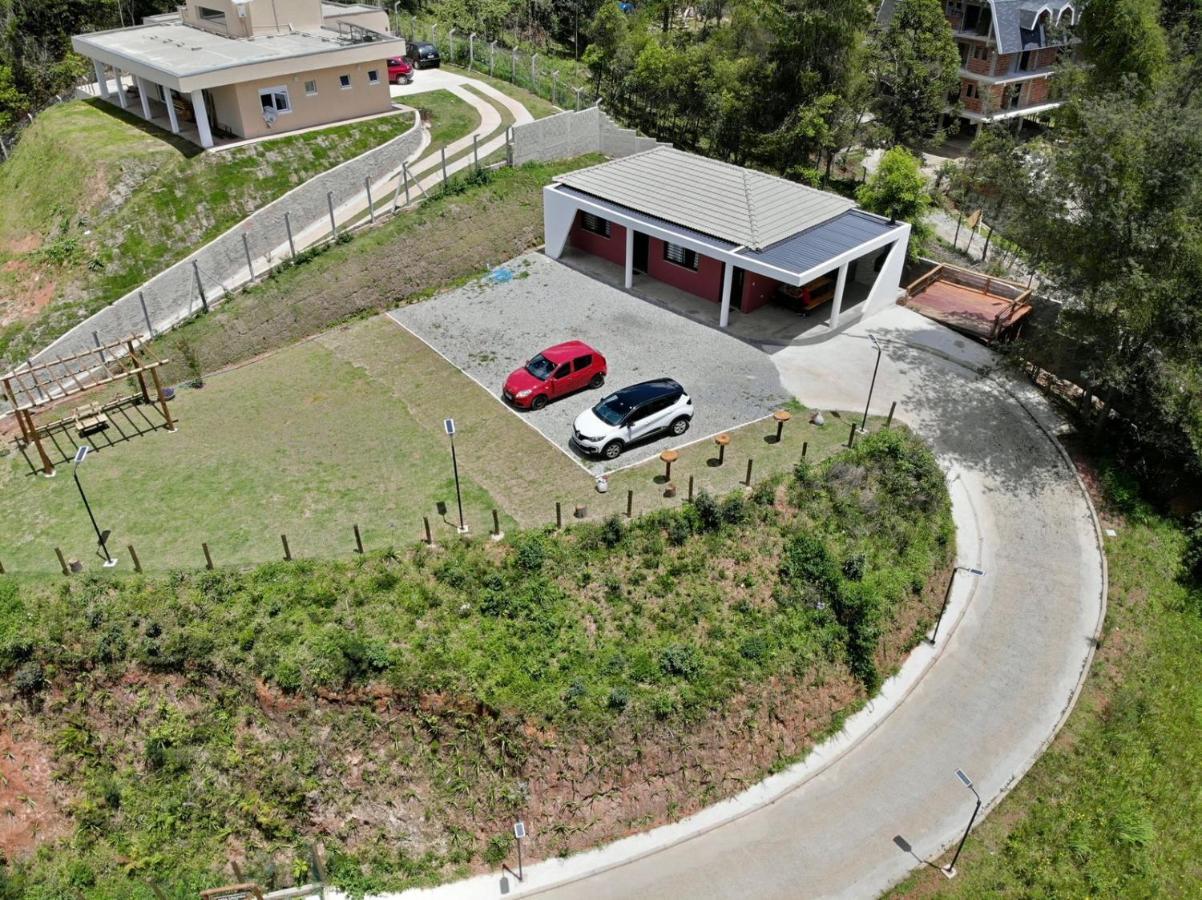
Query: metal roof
x=700 y=236
x=813 y=247
x=1015 y=23
x=184 y=50
x=735 y=204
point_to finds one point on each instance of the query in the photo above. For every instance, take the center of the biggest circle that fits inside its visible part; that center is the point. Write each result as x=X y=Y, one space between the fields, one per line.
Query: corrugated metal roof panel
x=741 y=205
x=651 y=220
x=824 y=242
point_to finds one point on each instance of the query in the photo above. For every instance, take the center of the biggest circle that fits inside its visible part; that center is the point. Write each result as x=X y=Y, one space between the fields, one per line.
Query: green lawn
x=449 y=117
x=1112 y=808
x=97 y=201
x=536 y=105
x=403 y=708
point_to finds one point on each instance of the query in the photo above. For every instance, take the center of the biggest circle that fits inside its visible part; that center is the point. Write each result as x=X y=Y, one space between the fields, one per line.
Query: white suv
x=632 y=414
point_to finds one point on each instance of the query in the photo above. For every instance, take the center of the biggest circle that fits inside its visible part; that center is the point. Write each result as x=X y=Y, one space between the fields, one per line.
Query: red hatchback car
x=554 y=373
x=399 y=71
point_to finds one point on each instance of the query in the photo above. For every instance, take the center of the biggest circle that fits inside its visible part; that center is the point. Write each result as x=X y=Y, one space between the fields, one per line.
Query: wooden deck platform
x=988 y=309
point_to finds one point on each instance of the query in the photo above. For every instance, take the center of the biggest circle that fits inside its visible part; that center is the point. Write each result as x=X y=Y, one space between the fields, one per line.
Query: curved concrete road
x=881 y=798
x=1004 y=682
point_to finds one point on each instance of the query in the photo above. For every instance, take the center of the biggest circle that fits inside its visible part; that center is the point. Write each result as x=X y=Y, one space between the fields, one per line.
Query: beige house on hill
x=247 y=68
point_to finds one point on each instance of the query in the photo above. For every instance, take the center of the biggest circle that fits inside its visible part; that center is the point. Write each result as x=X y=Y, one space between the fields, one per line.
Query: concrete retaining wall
x=174 y=294
x=570 y=134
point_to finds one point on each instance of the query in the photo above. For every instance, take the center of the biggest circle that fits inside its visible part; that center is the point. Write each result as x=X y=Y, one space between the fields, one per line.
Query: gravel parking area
x=488 y=329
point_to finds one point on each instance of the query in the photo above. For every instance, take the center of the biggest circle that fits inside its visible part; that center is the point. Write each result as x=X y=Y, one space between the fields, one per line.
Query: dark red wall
x=612 y=248
x=757 y=290
x=706 y=282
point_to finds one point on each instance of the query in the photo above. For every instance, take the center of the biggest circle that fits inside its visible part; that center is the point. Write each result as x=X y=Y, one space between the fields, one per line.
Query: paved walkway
x=987 y=699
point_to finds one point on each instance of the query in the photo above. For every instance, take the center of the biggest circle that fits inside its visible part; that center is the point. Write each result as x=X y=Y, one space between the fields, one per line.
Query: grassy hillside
x=403 y=708
x=96 y=201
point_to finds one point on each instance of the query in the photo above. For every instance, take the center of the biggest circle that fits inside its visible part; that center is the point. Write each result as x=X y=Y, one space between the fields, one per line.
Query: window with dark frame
x=594 y=224
x=681 y=256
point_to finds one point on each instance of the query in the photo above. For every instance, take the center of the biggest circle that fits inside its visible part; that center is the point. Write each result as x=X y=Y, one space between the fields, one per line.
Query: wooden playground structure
x=36 y=388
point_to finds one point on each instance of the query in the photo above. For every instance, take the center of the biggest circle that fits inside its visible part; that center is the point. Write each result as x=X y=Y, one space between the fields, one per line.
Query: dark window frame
x=687 y=259
x=595 y=224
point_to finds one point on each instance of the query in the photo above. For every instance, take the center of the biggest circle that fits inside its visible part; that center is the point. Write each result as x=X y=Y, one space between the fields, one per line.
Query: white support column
x=728 y=272
x=837 y=304
x=143 y=95
x=121 y=98
x=102 y=78
x=629 y=258
x=202 y=119
x=170 y=102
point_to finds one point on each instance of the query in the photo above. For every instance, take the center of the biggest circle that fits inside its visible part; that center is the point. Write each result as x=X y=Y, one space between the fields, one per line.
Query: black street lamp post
x=101 y=536
x=872 y=386
x=449 y=426
x=950 y=869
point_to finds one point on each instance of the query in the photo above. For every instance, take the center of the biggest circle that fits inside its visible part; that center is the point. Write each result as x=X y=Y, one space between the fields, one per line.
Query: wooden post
x=129 y=346
x=133 y=554
x=892 y=410
x=1 y=568
x=496 y=523
x=629 y=504
x=333 y=222
x=208 y=555
x=805 y=446
x=62 y=561
x=371 y=209
x=748 y=481
x=690 y=487
x=158 y=387
x=405 y=175
x=358 y=541
x=851 y=438
x=443 y=151
x=287 y=551
x=429 y=538
x=475 y=153
x=558 y=515
x=47 y=465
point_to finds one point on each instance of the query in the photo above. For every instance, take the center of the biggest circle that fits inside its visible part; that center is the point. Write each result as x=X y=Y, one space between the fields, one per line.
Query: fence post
x=534 y=72
x=513 y=65
x=496 y=525
x=133 y=554
x=748 y=481
x=371 y=209
x=443 y=152
x=249 y=265
x=405 y=172
x=558 y=515
x=471 y=50
x=629 y=504
x=851 y=438
x=892 y=410
x=330 y=204
x=492 y=58
x=429 y=537
x=475 y=152
x=509 y=145
x=204 y=301
x=554 y=87
x=358 y=541
x=62 y=561
x=805 y=446
x=577 y=90
x=146 y=313
x=288 y=228
x=451 y=42
x=287 y=551
x=690 y=487
x=208 y=556
x=4 y=148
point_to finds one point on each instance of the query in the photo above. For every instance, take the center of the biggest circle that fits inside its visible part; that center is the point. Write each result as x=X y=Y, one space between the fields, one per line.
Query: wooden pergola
x=31 y=388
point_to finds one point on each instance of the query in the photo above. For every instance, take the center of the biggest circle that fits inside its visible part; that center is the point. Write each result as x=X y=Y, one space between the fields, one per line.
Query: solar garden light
x=722 y=440
x=948 y=594
x=101 y=536
x=449 y=426
x=950 y=869
x=872 y=386
x=781 y=416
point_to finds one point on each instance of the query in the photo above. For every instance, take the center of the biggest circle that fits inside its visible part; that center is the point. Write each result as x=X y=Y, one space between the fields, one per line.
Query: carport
x=730 y=235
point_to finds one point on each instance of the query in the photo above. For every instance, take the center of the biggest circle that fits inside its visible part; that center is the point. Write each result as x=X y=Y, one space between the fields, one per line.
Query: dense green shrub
x=1192 y=558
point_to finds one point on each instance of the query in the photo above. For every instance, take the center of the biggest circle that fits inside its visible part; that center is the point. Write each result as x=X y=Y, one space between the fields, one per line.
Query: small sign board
x=974 y=219
x=519 y=830
x=449 y=425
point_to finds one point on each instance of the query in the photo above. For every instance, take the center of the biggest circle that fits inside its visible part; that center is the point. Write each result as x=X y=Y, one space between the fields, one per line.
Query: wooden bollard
x=781 y=416
x=722 y=440
x=208 y=555
x=805 y=445
x=429 y=537
x=287 y=552
x=851 y=438
x=358 y=540
x=892 y=410
x=558 y=515
x=669 y=457
x=690 y=487
x=133 y=554
x=496 y=523
x=1 y=568
x=748 y=481
x=629 y=504
x=62 y=561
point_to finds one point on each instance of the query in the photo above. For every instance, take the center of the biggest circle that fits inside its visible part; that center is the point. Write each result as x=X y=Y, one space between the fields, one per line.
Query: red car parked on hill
x=399 y=71
x=554 y=373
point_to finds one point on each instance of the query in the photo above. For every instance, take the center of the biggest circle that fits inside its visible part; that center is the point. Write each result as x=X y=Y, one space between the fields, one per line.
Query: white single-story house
x=734 y=236
x=247 y=68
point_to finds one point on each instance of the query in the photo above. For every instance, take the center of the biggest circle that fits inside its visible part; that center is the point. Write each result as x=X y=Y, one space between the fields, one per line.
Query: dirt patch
x=26 y=244
x=30 y=799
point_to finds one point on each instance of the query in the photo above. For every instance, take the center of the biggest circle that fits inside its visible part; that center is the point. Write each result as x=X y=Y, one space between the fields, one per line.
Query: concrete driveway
x=489 y=329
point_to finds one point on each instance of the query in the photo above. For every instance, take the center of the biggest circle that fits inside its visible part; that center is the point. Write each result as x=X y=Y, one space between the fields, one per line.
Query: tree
x=898 y=189
x=1123 y=38
x=917 y=67
x=607 y=34
x=995 y=177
